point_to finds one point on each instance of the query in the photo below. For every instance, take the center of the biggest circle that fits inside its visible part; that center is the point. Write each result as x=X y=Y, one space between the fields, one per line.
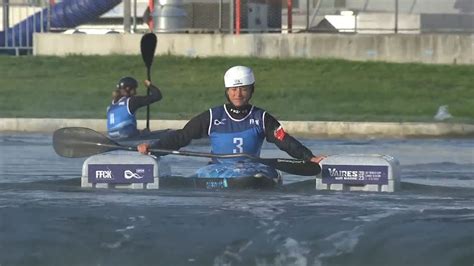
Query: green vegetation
x=291 y=89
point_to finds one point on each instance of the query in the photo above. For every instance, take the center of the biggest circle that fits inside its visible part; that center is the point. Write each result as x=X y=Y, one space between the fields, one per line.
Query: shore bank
x=326 y=129
x=309 y=90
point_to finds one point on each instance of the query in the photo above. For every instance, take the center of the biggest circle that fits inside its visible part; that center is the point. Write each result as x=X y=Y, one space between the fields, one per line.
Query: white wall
x=424 y=48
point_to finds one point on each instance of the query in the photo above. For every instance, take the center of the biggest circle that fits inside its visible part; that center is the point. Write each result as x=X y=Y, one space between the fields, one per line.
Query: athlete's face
x=128 y=92
x=239 y=96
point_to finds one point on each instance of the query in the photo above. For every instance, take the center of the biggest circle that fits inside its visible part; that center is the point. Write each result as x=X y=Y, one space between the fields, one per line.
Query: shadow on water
x=186 y=184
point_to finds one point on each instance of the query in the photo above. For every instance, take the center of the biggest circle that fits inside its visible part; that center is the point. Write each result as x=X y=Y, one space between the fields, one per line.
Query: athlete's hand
x=147 y=83
x=317 y=159
x=144 y=148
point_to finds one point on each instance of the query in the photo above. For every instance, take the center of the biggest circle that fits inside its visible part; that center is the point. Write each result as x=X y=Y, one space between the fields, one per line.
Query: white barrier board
x=359 y=172
x=122 y=170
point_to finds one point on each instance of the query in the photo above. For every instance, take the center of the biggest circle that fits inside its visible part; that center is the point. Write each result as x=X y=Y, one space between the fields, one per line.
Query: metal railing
x=389 y=16
x=21 y=18
x=333 y=16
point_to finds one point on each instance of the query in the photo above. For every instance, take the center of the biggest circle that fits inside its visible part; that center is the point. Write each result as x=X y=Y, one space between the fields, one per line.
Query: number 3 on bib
x=239 y=143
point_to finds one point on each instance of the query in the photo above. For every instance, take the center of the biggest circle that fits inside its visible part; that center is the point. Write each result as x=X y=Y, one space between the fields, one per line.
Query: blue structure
x=66 y=14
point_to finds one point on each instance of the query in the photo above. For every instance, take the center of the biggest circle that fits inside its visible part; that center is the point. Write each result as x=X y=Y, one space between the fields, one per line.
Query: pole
x=396 y=16
x=231 y=16
x=134 y=16
x=6 y=20
x=6 y=16
x=127 y=16
x=220 y=15
x=151 y=7
x=290 y=14
x=307 y=15
x=48 y=24
x=237 y=17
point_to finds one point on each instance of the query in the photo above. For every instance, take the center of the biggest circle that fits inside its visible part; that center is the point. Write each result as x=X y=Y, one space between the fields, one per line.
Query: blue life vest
x=229 y=135
x=120 y=122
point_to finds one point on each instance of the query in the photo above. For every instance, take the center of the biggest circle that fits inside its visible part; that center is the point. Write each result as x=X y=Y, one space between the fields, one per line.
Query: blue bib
x=120 y=122
x=229 y=135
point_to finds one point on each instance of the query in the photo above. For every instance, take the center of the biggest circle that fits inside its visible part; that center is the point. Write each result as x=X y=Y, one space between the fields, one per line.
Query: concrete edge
x=329 y=129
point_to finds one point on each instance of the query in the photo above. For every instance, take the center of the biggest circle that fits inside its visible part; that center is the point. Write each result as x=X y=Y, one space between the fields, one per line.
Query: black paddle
x=147 y=47
x=76 y=142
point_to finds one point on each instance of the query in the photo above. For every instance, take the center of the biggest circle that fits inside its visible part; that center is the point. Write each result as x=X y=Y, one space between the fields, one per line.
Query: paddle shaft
x=116 y=146
x=148 y=70
x=182 y=153
x=77 y=142
x=292 y=166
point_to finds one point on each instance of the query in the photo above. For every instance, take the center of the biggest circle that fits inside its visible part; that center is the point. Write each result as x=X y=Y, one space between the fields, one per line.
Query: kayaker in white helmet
x=236 y=126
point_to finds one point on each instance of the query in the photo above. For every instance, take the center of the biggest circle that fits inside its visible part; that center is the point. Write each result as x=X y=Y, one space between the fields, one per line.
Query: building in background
x=20 y=18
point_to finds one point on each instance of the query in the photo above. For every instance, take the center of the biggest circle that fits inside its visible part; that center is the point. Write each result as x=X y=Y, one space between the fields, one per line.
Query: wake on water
x=47 y=219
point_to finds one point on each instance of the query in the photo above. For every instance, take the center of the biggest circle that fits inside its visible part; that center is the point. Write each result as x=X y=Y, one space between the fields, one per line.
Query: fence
x=338 y=16
x=20 y=18
x=389 y=16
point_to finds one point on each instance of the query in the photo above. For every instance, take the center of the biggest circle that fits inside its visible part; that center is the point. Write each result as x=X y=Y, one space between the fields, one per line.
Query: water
x=47 y=219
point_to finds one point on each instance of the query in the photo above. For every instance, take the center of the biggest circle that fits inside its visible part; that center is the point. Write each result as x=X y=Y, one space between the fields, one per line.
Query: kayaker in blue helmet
x=121 y=120
x=235 y=127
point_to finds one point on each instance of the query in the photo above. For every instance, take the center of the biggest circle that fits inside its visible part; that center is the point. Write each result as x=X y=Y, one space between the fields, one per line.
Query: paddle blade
x=296 y=167
x=76 y=142
x=147 y=47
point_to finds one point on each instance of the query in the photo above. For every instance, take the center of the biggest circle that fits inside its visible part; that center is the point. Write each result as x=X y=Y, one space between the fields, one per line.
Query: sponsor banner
x=120 y=173
x=355 y=174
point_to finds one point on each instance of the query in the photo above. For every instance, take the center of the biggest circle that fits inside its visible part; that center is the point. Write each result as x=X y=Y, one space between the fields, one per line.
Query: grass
x=291 y=89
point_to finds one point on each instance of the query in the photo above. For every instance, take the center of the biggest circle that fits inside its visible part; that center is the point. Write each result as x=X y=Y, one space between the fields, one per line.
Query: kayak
x=122 y=169
x=112 y=165
x=228 y=175
x=241 y=175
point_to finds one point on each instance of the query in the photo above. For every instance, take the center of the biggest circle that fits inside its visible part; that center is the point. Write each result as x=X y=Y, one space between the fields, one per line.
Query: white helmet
x=238 y=76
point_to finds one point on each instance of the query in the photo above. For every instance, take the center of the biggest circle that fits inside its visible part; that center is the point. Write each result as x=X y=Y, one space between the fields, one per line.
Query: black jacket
x=198 y=126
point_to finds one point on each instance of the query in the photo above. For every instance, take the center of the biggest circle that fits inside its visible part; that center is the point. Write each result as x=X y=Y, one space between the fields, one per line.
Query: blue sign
x=120 y=173
x=355 y=174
